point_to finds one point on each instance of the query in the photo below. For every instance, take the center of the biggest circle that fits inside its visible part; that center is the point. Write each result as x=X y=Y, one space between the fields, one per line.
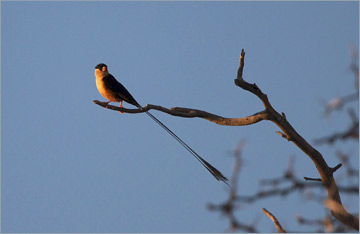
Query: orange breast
x=105 y=92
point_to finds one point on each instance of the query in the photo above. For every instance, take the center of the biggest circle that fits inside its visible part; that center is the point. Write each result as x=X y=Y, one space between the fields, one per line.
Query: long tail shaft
x=217 y=174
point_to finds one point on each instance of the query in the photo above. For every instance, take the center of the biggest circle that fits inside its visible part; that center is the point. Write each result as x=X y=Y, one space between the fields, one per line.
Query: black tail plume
x=216 y=173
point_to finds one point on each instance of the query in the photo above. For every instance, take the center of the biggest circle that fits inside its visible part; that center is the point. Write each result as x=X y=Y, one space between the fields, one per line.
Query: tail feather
x=216 y=173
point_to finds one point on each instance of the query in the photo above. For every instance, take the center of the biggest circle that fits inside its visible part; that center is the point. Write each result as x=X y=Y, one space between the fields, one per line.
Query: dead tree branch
x=325 y=172
x=191 y=113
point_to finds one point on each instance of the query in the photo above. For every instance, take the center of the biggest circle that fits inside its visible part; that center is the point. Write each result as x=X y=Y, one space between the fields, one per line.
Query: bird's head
x=101 y=70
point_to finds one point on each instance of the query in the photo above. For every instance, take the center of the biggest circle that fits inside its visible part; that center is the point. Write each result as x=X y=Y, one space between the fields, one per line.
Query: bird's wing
x=112 y=84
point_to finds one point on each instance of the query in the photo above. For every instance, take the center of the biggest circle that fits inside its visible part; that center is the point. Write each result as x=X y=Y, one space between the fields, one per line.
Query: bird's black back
x=114 y=85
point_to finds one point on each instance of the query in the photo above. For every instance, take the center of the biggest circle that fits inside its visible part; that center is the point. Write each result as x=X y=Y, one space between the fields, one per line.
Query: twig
x=326 y=222
x=336 y=167
x=296 y=185
x=312 y=179
x=274 y=220
x=351 y=133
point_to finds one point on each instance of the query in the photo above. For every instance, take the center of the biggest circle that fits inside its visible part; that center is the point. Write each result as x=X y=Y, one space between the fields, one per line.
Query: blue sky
x=69 y=165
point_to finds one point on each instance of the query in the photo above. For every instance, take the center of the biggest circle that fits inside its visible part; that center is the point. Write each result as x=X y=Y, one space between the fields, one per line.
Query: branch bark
x=288 y=132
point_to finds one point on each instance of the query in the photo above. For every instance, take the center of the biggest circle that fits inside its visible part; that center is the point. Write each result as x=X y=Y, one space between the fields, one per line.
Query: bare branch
x=274 y=220
x=325 y=222
x=192 y=113
x=323 y=169
x=312 y=179
x=336 y=167
x=351 y=133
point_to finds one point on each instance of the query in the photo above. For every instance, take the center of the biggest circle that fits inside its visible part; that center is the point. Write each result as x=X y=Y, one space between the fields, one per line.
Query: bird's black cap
x=100 y=66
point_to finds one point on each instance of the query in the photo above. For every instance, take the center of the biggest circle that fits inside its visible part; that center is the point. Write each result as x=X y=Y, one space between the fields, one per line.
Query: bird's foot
x=121 y=107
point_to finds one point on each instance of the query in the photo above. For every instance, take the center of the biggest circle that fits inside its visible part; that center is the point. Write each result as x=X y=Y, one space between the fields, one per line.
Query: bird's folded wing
x=112 y=84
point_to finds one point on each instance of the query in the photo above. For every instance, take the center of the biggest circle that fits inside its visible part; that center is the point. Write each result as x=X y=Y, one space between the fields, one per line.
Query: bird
x=114 y=91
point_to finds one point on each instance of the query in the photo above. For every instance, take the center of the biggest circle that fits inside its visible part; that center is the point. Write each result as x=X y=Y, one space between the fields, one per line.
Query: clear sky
x=69 y=165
